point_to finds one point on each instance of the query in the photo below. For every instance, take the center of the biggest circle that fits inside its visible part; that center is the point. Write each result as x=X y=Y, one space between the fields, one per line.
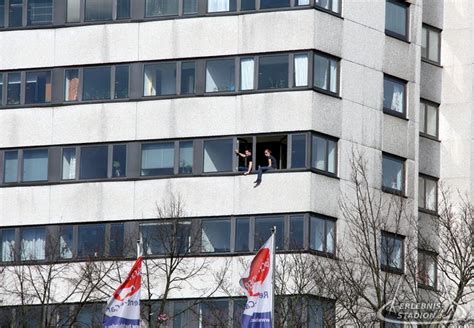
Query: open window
x=278 y=145
x=244 y=144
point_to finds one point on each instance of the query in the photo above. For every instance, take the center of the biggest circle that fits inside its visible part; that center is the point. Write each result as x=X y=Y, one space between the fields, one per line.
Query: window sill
x=327 y=11
x=399 y=37
x=394 y=191
x=392 y=270
x=328 y=174
x=431 y=62
x=395 y=114
x=427 y=136
x=327 y=93
x=427 y=287
x=429 y=212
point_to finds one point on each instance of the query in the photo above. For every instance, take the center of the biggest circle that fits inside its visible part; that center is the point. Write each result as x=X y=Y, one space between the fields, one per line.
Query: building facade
x=108 y=106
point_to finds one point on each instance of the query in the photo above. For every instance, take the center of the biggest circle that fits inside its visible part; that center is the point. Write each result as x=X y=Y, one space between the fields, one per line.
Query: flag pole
x=273 y=276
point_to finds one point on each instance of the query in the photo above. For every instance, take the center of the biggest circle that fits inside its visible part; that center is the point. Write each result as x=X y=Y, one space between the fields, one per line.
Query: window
x=428 y=118
x=40 y=12
x=214 y=6
x=392 y=251
x=8 y=244
x=96 y=84
x=157 y=159
x=301 y=70
x=121 y=82
x=242 y=233
x=33 y=244
x=430 y=43
x=94 y=162
x=218 y=155
x=69 y=164
x=215 y=236
x=98 y=10
x=161 y=8
x=393 y=172
x=123 y=9
x=427 y=269
x=273 y=72
x=298 y=151
x=186 y=157
x=91 y=240
x=263 y=231
x=267 y=4
x=331 y=5
x=188 y=78
x=297 y=232
x=38 y=87
x=214 y=313
x=13 y=88
x=10 y=167
x=394 y=95
x=160 y=79
x=247 y=73
x=427 y=193
x=322 y=234
x=66 y=242
x=2 y=14
x=326 y=73
x=247 y=5
x=15 y=15
x=190 y=6
x=165 y=237
x=119 y=161
x=324 y=154
x=220 y=75
x=71 y=88
x=73 y=11
x=35 y=165
x=396 y=18
x=116 y=244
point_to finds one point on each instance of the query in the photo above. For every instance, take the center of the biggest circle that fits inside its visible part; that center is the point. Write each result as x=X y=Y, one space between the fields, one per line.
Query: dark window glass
x=2 y=13
x=15 y=13
x=332 y=5
x=119 y=161
x=33 y=244
x=90 y=315
x=94 y=162
x=322 y=235
x=7 y=245
x=215 y=236
x=190 y=6
x=324 y=154
x=320 y=313
x=264 y=4
x=220 y=75
x=121 y=82
x=186 y=157
x=298 y=151
x=123 y=9
x=98 y=10
x=71 y=85
x=69 y=164
x=165 y=238
x=91 y=239
x=396 y=13
x=326 y=73
x=40 y=12
x=429 y=119
x=218 y=155
x=214 y=313
x=38 y=87
x=247 y=4
x=160 y=79
x=187 y=78
x=10 y=171
x=393 y=173
x=392 y=251
x=116 y=239
x=394 y=95
x=242 y=230
x=6 y=315
x=35 y=165
x=273 y=72
x=96 y=83
x=263 y=231
x=65 y=242
x=14 y=88
x=297 y=232
x=73 y=11
x=239 y=307
x=161 y=7
x=157 y=159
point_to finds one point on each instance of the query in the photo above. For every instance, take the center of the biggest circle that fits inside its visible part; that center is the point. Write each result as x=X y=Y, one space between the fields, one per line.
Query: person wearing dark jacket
x=272 y=165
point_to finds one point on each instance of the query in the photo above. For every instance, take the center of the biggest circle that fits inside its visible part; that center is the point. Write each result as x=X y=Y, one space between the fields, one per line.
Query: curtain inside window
x=301 y=70
x=218 y=5
x=69 y=164
x=247 y=68
x=303 y=2
x=333 y=74
x=319 y=153
x=158 y=156
x=430 y=194
x=150 y=88
x=33 y=244
x=8 y=245
x=321 y=72
x=317 y=234
x=397 y=98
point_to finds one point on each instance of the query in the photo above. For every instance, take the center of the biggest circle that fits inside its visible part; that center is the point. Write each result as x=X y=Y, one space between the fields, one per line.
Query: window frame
x=22 y=99
x=20 y=167
x=425 y=177
x=425 y=104
x=326 y=163
x=438 y=31
x=175 y=156
x=84 y=21
x=328 y=80
x=326 y=219
x=434 y=256
x=390 y=111
x=396 y=35
x=393 y=236
x=404 y=174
